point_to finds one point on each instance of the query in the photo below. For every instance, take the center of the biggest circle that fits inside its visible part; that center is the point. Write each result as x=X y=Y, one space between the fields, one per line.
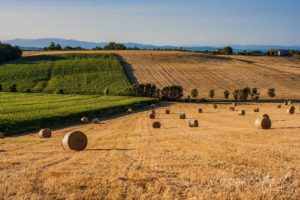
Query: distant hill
x=37 y=44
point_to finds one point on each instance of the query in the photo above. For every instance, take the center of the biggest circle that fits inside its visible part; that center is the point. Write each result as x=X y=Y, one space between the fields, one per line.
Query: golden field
x=205 y=72
x=226 y=157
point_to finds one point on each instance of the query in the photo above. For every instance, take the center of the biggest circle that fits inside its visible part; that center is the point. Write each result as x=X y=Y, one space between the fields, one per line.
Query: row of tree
x=57 y=47
x=239 y=94
x=8 y=52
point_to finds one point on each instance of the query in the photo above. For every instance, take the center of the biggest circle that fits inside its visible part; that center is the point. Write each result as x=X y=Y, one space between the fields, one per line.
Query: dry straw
x=263 y=123
x=76 y=141
x=45 y=133
x=84 y=119
x=242 y=112
x=129 y=110
x=152 y=116
x=291 y=110
x=265 y=115
x=96 y=121
x=182 y=116
x=256 y=109
x=193 y=123
x=156 y=124
x=2 y=136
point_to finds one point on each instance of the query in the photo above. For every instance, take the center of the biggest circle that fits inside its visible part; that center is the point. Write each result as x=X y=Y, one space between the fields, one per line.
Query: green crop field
x=20 y=112
x=71 y=73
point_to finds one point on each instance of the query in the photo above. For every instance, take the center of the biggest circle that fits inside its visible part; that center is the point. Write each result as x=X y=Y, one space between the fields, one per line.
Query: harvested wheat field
x=205 y=72
x=226 y=157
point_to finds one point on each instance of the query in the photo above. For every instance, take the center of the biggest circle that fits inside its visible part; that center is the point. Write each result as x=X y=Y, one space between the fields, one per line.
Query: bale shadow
x=287 y=127
x=2 y=150
x=115 y=149
x=171 y=127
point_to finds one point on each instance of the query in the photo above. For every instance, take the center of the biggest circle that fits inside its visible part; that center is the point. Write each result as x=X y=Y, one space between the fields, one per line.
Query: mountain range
x=38 y=44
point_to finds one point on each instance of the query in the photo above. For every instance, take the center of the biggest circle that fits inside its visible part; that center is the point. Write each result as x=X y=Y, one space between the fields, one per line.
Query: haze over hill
x=35 y=44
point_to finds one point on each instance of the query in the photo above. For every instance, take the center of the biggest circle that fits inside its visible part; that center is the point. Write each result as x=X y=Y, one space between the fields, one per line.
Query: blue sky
x=168 y=22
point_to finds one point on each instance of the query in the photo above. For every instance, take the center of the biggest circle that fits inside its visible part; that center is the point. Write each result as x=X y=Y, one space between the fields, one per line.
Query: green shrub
x=59 y=91
x=13 y=88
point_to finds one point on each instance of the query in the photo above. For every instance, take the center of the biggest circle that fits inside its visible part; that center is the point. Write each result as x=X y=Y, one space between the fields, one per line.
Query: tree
x=211 y=93
x=114 y=46
x=271 y=92
x=106 y=91
x=235 y=94
x=8 y=52
x=194 y=93
x=226 y=50
x=13 y=88
x=244 y=93
x=173 y=92
x=254 y=94
x=226 y=94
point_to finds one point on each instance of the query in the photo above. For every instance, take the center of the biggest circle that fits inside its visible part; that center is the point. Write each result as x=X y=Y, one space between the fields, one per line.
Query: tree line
x=9 y=52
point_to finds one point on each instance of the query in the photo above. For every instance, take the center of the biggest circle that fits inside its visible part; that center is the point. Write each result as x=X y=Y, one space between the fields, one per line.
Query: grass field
x=227 y=157
x=205 y=72
x=72 y=73
x=25 y=112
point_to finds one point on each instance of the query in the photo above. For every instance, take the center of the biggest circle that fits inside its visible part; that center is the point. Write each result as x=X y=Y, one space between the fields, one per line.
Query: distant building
x=282 y=52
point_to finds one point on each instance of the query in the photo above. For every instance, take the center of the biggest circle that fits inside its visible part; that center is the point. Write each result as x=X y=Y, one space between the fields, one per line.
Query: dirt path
x=226 y=157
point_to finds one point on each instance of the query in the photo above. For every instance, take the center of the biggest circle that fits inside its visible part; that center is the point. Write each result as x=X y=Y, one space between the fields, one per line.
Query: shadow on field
x=128 y=69
x=116 y=149
x=288 y=127
x=2 y=150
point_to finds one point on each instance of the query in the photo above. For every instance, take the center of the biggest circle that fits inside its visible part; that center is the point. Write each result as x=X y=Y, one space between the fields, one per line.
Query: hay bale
x=153 y=111
x=242 y=112
x=129 y=110
x=215 y=106
x=263 y=123
x=96 y=121
x=193 y=123
x=265 y=115
x=290 y=103
x=279 y=106
x=156 y=124
x=84 y=119
x=291 y=110
x=234 y=104
x=167 y=111
x=200 y=110
x=2 y=136
x=285 y=103
x=232 y=108
x=182 y=116
x=152 y=116
x=45 y=133
x=256 y=109
x=76 y=140
x=153 y=105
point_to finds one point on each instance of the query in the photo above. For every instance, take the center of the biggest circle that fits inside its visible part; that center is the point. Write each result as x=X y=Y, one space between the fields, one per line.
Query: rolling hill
x=205 y=72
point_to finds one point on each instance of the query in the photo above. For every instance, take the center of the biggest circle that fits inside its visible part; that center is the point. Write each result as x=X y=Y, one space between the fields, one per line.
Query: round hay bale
x=256 y=109
x=232 y=108
x=129 y=110
x=2 y=136
x=193 y=123
x=291 y=110
x=265 y=115
x=263 y=123
x=76 y=140
x=290 y=102
x=84 y=119
x=156 y=124
x=242 y=112
x=182 y=116
x=152 y=116
x=215 y=106
x=234 y=104
x=153 y=105
x=200 y=110
x=285 y=103
x=167 y=111
x=153 y=111
x=279 y=106
x=45 y=133
x=96 y=121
